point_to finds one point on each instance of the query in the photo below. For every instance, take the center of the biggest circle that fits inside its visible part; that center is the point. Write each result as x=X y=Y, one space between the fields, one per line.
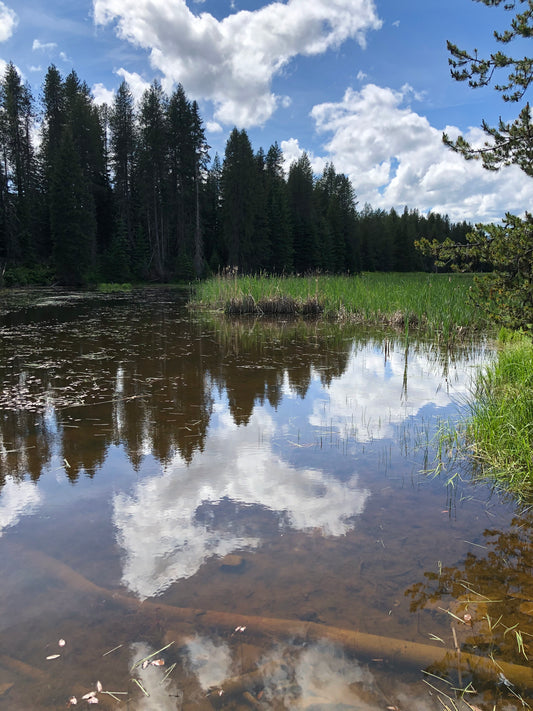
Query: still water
x=170 y=479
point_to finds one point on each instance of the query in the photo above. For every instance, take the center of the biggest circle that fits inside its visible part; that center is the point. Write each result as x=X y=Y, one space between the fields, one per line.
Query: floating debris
x=169 y=672
x=141 y=662
x=99 y=686
x=61 y=643
x=158 y=662
x=112 y=650
x=53 y=656
x=89 y=695
x=72 y=701
x=141 y=687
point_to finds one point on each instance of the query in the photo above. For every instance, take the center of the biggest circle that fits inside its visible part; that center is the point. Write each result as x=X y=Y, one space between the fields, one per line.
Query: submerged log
x=361 y=644
x=22 y=668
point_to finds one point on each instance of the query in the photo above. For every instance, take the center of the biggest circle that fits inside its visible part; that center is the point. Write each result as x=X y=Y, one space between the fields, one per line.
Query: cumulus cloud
x=136 y=83
x=213 y=127
x=8 y=22
x=395 y=157
x=292 y=151
x=102 y=95
x=233 y=61
x=43 y=46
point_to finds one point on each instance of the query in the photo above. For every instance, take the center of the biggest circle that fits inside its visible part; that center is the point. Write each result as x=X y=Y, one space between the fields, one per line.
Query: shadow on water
x=154 y=461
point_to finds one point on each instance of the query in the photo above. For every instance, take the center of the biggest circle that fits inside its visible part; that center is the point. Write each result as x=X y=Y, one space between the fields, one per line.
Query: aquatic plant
x=438 y=304
x=500 y=429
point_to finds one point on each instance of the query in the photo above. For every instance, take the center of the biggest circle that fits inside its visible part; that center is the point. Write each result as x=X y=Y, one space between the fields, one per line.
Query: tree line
x=128 y=192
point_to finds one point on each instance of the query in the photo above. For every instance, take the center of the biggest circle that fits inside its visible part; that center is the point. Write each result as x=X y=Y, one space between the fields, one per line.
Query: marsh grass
x=433 y=303
x=500 y=427
x=495 y=435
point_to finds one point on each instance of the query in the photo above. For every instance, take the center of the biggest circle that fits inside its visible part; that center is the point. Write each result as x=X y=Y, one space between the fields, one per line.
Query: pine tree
x=122 y=150
x=16 y=107
x=300 y=187
x=214 y=252
x=278 y=213
x=151 y=177
x=187 y=161
x=507 y=294
x=239 y=204
x=72 y=216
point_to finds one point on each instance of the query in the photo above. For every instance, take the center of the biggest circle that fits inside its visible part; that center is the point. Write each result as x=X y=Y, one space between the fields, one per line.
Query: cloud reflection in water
x=158 y=524
x=19 y=498
x=158 y=528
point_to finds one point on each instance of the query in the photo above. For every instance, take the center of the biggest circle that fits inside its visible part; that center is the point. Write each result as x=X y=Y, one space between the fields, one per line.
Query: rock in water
x=232 y=563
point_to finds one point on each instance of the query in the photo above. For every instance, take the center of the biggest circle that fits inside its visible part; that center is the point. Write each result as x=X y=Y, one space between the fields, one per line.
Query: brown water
x=258 y=469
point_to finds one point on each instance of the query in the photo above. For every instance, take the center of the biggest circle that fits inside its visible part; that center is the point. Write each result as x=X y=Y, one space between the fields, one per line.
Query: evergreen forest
x=129 y=192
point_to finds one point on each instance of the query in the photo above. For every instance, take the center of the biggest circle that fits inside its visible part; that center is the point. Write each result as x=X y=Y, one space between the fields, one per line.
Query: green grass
x=500 y=428
x=434 y=303
x=110 y=288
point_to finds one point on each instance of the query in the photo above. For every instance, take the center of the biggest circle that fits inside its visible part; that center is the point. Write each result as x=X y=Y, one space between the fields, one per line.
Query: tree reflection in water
x=489 y=598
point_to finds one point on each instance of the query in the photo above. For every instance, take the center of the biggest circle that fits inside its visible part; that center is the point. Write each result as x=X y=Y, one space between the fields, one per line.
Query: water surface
x=254 y=468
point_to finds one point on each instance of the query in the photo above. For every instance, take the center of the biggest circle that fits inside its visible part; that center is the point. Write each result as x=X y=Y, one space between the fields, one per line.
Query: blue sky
x=362 y=83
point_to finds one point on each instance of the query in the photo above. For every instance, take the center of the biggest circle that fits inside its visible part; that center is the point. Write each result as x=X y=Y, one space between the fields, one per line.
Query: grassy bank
x=499 y=431
x=435 y=303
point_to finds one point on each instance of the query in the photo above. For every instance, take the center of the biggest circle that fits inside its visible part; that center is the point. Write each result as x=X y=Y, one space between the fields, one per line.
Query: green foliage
x=500 y=430
x=509 y=143
x=434 y=303
x=505 y=294
x=113 y=287
x=126 y=192
x=38 y=275
x=72 y=218
x=239 y=193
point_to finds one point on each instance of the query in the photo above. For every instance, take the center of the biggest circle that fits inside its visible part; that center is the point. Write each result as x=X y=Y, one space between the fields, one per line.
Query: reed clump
x=281 y=305
x=500 y=427
x=436 y=304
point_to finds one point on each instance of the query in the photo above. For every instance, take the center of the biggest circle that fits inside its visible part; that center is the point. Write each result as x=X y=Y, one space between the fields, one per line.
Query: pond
x=200 y=513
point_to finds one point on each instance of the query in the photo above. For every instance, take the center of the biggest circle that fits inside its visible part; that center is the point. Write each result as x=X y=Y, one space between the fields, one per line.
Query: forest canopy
x=129 y=192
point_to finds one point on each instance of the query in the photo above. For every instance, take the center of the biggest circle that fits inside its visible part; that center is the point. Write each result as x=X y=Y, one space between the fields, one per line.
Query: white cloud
x=8 y=22
x=102 y=95
x=292 y=151
x=39 y=46
x=233 y=61
x=136 y=83
x=213 y=127
x=395 y=157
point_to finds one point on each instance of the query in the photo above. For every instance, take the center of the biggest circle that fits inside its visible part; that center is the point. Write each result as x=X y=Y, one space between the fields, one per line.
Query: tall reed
x=436 y=303
x=500 y=428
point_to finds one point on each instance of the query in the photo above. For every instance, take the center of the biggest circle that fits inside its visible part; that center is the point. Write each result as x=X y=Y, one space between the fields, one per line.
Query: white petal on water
x=99 y=686
x=53 y=656
x=61 y=643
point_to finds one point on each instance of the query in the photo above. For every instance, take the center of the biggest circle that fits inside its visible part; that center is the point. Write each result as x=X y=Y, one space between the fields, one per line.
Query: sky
x=364 y=84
